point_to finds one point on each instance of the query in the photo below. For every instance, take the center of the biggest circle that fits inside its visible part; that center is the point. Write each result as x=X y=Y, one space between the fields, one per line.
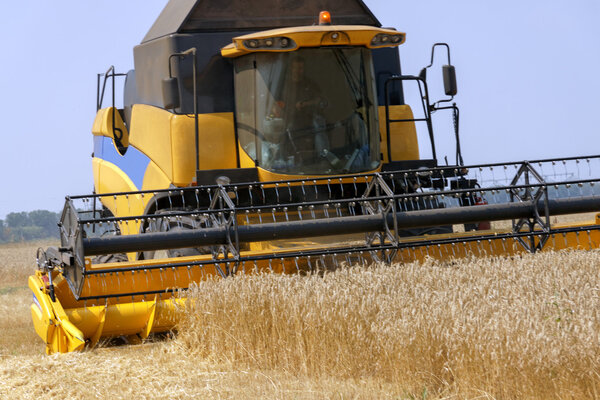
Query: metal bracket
x=384 y=207
x=527 y=173
x=225 y=216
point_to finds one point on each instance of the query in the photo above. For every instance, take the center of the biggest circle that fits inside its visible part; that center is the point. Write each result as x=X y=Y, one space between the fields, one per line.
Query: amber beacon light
x=324 y=18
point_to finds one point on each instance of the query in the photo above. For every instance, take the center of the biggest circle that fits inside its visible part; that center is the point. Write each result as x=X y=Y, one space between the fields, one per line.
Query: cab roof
x=195 y=16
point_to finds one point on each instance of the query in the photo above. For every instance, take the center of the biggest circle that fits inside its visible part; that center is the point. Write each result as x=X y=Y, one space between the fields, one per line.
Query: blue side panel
x=133 y=163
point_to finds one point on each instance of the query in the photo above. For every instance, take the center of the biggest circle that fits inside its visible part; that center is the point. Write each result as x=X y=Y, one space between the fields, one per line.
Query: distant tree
x=18 y=220
x=22 y=226
x=30 y=233
x=46 y=220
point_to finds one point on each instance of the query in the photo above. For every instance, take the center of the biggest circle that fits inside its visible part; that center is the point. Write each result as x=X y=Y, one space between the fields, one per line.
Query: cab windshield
x=311 y=111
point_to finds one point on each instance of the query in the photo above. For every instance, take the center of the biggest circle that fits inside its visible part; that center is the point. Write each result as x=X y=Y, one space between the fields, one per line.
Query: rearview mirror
x=449 y=80
x=170 y=93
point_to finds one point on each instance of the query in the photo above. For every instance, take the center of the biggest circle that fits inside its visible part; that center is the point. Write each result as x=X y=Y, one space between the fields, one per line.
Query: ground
x=488 y=328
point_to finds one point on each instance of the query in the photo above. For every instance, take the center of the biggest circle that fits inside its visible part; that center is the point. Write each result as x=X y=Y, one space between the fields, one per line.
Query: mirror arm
x=423 y=72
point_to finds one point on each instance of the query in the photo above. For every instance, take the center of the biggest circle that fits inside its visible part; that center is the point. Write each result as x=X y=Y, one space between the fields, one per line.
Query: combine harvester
x=268 y=138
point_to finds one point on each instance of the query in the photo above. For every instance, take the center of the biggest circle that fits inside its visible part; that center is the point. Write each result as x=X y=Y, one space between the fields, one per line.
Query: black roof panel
x=190 y=16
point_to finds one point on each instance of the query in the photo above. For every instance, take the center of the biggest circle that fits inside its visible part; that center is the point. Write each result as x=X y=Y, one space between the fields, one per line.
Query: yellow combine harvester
x=276 y=138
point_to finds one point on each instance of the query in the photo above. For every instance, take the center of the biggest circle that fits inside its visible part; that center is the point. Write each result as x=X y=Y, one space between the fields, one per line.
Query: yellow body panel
x=182 y=154
x=51 y=322
x=217 y=141
x=115 y=180
x=216 y=148
x=168 y=140
x=124 y=319
x=313 y=36
x=403 y=135
x=155 y=178
x=103 y=125
x=151 y=134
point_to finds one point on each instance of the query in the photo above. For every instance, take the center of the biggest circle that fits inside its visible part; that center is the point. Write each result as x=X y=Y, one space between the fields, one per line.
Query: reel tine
x=285 y=212
x=398 y=191
x=303 y=191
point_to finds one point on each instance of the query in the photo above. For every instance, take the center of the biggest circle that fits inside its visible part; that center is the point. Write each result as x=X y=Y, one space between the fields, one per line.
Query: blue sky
x=527 y=76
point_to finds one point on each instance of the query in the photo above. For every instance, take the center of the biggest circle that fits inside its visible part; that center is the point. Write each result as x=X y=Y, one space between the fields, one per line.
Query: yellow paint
x=115 y=180
x=95 y=338
x=335 y=39
x=216 y=145
x=66 y=330
x=182 y=151
x=313 y=36
x=151 y=134
x=147 y=329
x=169 y=141
x=123 y=319
x=103 y=125
x=245 y=160
x=155 y=178
x=405 y=145
x=51 y=322
x=217 y=141
x=96 y=169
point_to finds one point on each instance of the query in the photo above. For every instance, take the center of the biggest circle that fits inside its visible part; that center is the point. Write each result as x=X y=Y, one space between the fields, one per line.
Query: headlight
x=383 y=39
x=270 y=43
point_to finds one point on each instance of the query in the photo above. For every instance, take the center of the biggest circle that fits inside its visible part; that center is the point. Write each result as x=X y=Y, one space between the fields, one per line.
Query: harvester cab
x=275 y=138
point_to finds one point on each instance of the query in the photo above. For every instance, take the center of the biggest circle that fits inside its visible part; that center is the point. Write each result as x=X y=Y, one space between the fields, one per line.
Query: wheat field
x=482 y=328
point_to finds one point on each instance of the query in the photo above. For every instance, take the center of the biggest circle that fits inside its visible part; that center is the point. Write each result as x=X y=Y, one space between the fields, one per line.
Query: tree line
x=23 y=226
